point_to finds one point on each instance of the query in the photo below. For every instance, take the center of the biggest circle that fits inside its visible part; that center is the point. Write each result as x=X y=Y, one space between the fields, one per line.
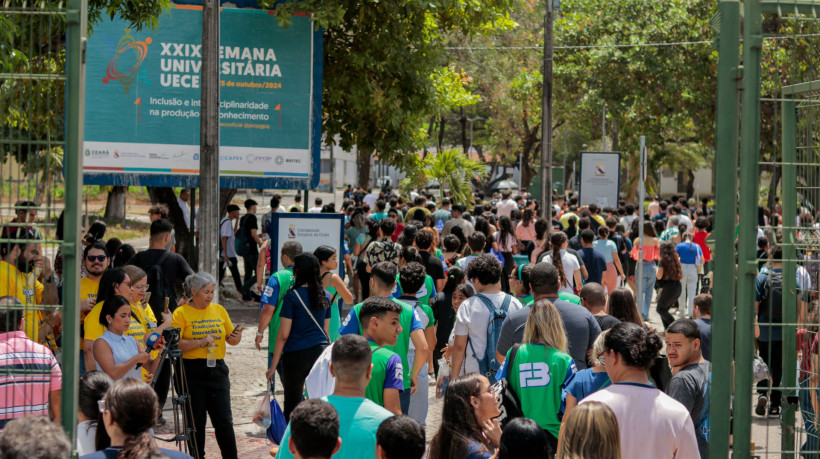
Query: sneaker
x=774 y=411
x=760 y=409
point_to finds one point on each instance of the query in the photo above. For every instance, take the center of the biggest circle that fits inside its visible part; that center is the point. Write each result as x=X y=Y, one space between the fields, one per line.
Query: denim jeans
x=689 y=284
x=210 y=390
x=418 y=401
x=404 y=401
x=648 y=269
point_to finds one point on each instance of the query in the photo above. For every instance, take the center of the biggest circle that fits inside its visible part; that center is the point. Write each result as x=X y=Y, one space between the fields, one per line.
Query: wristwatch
x=260 y=335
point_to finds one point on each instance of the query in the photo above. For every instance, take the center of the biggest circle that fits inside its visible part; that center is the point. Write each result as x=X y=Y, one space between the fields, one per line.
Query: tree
x=378 y=60
x=450 y=169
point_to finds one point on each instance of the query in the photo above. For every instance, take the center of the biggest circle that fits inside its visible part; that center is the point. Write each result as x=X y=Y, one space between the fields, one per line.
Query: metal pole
x=641 y=199
x=332 y=172
x=209 y=139
x=791 y=298
x=71 y=249
x=603 y=130
x=546 y=120
x=726 y=153
x=747 y=238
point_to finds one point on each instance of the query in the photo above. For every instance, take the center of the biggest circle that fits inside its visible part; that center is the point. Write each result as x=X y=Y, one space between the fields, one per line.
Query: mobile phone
x=146 y=298
x=238 y=328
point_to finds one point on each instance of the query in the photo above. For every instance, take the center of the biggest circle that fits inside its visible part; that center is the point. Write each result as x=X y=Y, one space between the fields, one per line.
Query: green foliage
x=450 y=169
x=451 y=89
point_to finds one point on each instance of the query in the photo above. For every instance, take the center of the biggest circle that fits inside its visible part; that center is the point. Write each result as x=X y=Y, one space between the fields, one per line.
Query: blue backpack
x=487 y=364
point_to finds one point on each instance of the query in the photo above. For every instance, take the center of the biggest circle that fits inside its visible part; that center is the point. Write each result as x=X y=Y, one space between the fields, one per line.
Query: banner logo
x=599 y=170
x=132 y=52
x=292 y=231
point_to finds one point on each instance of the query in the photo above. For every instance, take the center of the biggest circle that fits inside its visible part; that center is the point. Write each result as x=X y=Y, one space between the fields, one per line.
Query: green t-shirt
x=428 y=290
x=575 y=299
x=403 y=344
x=359 y=419
x=428 y=311
x=380 y=358
x=284 y=279
x=537 y=376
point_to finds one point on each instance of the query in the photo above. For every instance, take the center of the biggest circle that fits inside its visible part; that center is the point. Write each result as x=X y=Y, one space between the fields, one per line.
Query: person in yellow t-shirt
x=19 y=263
x=145 y=323
x=114 y=282
x=95 y=262
x=205 y=327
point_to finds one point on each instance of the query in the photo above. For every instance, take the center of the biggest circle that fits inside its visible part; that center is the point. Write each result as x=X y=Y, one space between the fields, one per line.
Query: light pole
x=546 y=118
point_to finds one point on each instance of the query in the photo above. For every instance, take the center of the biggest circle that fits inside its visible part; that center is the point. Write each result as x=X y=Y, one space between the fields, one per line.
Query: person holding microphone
x=205 y=327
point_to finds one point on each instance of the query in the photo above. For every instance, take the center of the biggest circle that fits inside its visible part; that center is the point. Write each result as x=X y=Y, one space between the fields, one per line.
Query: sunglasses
x=96 y=258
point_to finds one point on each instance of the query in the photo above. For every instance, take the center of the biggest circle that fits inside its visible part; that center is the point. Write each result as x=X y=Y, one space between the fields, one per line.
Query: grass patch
x=133 y=229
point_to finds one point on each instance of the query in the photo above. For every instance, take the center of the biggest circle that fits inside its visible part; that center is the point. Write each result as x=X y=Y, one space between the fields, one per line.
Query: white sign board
x=600 y=178
x=310 y=230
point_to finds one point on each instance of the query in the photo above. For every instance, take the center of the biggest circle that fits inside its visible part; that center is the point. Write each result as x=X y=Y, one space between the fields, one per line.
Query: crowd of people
x=529 y=325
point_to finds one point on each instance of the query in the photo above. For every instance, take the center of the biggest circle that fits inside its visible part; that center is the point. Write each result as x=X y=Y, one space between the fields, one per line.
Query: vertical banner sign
x=600 y=178
x=310 y=230
x=143 y=98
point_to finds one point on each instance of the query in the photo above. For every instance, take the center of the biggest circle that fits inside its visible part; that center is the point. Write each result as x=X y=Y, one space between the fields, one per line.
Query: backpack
x=508 y=403
x=487 y=364
x=242 y=242
x=772 y=297
x=157 y=286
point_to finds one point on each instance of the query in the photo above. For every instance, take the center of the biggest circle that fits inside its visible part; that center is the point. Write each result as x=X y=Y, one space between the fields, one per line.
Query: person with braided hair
x=569 y=270
x=129 y=411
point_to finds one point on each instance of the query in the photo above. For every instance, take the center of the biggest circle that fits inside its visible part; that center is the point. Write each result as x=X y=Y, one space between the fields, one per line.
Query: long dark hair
x=527 y=217
x=92 y=388
x=306 y=272
x=558 y=239
x=107 y=282
x=459 y=423
x=623 y=307
x=540 y=228
x=455 y=276
x=669 y=261
x=134 y=408
x=324 y=253
x=504 y=232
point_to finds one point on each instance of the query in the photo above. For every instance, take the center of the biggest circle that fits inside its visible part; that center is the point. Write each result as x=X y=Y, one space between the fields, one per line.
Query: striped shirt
x=28 y=373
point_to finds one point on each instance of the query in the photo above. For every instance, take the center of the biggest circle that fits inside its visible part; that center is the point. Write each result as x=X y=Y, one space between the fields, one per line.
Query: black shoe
x=774 y=411
x=760 y=409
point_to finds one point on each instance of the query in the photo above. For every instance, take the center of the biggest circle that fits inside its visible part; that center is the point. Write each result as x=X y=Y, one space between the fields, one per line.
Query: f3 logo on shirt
x=534 y=374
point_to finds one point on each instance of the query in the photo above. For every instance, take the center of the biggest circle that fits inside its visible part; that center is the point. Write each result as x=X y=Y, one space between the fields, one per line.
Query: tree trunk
x=364 y=167
x=115 y=205
x=773 y=187
x=429 y=133
x=616 y=145
x=463 y=121
x=225 y=197
x=441 y=126
x=165 y=195
x=690 y=183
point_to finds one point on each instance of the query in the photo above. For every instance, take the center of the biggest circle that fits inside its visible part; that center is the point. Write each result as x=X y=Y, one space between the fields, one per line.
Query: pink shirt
x=652 y=424
x=28 y=373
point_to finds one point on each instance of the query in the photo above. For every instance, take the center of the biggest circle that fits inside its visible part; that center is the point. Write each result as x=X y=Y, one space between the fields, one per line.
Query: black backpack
x=771 y=303
x=158 y=287
x=242 y=242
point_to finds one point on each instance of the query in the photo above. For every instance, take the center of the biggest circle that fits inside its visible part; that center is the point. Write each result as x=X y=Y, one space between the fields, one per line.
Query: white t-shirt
x=370 y=199
x=86 y=436
x=226 y=229
x=682 y=220
x=315 y=210
x=652 y=424
x=570 y=266
x=472 y=320
x=505 y=207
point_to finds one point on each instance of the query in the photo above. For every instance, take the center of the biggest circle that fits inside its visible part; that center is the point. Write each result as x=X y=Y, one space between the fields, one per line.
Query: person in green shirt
x=278 y=285
x=520 y=284
x=381 y=325
x=539 y=369
x=359 y=418
x=382 y=281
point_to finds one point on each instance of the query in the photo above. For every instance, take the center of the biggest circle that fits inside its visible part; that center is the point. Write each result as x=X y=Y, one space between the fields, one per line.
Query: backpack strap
x=489 y=304
x=505 y=305
x=513 y=352
x=164 y=257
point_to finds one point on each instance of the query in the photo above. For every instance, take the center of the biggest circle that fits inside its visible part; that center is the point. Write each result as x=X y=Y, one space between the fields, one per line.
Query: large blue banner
x=143 y=99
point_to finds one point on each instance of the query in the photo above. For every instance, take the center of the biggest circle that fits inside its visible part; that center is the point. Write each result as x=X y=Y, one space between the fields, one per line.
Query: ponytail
x=557 y=239
x=138 y=446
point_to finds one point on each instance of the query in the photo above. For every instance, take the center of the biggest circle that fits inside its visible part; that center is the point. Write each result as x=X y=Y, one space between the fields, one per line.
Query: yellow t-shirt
x=88 y=289
x=94 y=329
x=13 y=283
x=198 y=323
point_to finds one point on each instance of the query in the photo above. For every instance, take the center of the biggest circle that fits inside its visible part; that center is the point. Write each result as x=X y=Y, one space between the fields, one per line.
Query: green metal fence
x=41 y=93
x=768 y=126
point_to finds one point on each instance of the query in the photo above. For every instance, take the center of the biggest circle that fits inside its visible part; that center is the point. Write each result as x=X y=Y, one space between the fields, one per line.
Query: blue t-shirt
x=595 y=263
x=359 y=418
x=475 y=450
x=688 y=252
x=112 y=451
x=606 y=248
x=304 y=333
x=585 y=382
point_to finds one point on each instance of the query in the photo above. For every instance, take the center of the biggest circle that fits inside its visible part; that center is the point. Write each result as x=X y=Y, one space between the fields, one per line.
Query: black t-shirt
x=432 y=265
x=606 y=321
x=174 y=269
x=358 y=197
x=442 y=306
x=249 y=222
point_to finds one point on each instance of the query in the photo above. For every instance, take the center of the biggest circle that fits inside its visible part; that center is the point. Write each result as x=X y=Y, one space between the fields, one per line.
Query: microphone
x=152 y=343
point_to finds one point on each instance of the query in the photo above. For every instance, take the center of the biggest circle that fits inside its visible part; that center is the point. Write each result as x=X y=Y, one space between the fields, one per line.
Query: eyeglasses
x=142 y=288
x=96 y=257
x=101 y=405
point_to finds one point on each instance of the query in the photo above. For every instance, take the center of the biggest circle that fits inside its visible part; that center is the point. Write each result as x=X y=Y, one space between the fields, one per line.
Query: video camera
x=706 y=285
x=171 y=336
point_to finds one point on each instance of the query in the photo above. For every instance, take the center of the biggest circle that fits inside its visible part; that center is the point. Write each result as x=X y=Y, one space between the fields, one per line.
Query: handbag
x=508 y=403
x=760 y=370
x=262 y=418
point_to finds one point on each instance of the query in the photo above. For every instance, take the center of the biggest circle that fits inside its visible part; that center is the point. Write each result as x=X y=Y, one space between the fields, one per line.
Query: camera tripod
x=180 y=398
